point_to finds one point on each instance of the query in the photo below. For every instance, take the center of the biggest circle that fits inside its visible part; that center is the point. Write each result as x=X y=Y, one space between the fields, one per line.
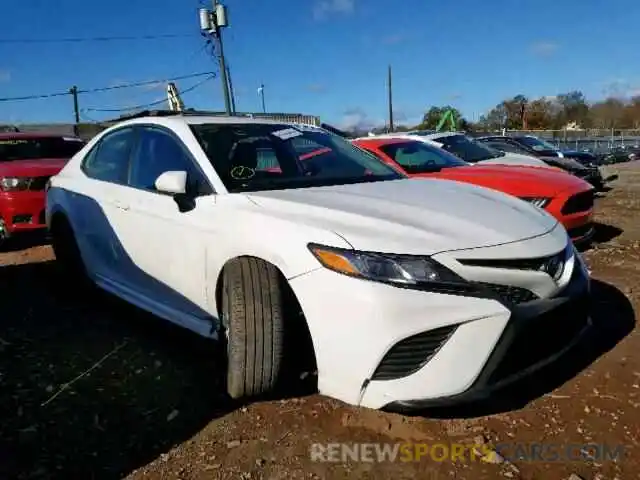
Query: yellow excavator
x=173 y=98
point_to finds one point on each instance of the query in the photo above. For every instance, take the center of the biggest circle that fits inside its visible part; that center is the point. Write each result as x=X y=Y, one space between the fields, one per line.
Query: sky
x=318 y=57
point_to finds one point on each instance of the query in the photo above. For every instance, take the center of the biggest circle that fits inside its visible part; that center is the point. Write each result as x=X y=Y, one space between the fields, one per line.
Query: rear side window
x=504 y=146
x=108 y=161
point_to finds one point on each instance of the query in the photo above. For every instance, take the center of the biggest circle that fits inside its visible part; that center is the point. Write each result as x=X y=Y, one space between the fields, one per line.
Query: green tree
x=433 y=116
x=574 y=109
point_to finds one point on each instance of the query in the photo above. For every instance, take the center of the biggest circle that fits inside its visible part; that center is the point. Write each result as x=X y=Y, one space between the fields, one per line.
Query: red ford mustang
x=567 y=197
x=27 y=161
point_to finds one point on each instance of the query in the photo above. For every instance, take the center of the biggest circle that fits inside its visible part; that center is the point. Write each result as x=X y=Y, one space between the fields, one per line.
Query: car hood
x=41 y=167
x=412 y=216
x=517 y=180
x=513 y=159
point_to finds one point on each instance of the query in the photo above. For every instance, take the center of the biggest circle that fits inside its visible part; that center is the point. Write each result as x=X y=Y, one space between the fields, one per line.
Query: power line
x=147 y=105
x=105 y=89
x=95 y=39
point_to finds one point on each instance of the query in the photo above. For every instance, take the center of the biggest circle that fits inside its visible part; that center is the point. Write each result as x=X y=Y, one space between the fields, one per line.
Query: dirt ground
x=94 y=389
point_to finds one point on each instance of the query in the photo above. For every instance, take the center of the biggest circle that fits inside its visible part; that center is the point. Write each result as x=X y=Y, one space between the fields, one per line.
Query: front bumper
x=537 y=334
x=358 y=327
x=22 y=211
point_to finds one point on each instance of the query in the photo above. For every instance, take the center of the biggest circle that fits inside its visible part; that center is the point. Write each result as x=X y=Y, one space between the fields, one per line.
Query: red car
x=565 y=196
x=27 y=161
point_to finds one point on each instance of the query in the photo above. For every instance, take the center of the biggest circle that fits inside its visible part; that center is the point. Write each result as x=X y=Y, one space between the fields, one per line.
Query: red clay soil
x=91 y=388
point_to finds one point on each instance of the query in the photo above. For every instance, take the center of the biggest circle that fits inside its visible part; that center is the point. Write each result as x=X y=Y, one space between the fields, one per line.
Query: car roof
x=386 y=140
x=33 y=135
x=438 y=134
x=202 y=119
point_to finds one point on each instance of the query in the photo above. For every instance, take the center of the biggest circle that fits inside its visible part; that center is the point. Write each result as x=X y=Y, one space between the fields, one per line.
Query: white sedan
x=260 y=234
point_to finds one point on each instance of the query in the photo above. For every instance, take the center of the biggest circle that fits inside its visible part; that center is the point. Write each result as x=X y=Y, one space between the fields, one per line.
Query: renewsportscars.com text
x=459 y=452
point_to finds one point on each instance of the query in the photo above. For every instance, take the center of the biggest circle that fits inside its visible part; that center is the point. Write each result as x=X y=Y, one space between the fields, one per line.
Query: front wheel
x=252 y=316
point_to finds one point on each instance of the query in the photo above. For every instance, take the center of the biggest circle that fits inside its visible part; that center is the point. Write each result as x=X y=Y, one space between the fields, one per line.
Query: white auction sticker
x=287 y=133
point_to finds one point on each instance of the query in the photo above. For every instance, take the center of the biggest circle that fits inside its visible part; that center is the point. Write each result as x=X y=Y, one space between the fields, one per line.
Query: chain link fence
x=595 y=140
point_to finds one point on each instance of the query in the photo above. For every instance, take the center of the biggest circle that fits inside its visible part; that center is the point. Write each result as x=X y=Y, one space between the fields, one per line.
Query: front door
x=167 y=244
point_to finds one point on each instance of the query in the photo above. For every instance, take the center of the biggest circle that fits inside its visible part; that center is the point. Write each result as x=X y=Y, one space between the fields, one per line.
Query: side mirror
x=172 y=182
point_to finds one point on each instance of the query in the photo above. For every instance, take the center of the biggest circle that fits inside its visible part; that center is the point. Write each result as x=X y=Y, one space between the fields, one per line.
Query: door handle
x=121 y=205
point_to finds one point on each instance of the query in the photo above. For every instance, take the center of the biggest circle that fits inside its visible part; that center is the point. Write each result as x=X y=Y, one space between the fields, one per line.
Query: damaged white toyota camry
x=261 y=234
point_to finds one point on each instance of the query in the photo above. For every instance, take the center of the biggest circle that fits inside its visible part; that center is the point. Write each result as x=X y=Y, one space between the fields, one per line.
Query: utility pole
x=261 y=92
x=233 y=97
x=390 y=101
x=76 y=110
x=212 y=23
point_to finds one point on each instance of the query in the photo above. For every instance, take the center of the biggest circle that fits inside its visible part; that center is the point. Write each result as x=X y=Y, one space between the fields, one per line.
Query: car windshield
x=255 y=157
x=467 y=149
x=35 y=148
x=418 y=157
x=538 y=144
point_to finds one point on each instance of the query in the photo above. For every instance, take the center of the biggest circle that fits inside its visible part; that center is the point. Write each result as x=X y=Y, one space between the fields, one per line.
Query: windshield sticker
x=287 y=133
x=307 y=128
x=240 y=172
x=13 y=142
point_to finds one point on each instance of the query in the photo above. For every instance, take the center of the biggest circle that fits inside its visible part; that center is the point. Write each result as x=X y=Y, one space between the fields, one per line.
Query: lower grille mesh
x=411 y=354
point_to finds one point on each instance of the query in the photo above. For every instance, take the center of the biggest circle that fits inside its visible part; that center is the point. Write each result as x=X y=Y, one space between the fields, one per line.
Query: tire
x=4 y=237
x=68 y=257
x=252 y=316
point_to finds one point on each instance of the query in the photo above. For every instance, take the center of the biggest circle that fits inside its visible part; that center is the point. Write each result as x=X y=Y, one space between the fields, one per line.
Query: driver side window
x=157 y=152
x=412 y=157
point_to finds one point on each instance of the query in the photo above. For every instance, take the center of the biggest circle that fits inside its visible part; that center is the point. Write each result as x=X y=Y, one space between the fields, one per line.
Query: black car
x=580 y=164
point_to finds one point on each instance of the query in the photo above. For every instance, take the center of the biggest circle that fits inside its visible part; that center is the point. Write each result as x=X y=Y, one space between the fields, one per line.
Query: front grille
x=511 y=294
x=540 y=338
x=38 y=183
x=411 y=354
x=511 y=263
x=580 y=202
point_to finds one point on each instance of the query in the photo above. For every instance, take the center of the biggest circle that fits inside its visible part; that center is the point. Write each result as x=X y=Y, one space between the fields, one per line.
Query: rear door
x=99 y=202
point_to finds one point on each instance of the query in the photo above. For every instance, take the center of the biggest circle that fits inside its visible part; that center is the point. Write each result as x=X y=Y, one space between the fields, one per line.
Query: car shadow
x=613 y=319
x=24 y=241
x=603 y=233
x=91 y=387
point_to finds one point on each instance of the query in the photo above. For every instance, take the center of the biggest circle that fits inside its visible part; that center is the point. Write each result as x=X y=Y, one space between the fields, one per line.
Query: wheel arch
x=295 y=320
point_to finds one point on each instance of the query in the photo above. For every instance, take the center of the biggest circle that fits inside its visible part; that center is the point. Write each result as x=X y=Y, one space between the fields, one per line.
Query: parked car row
x=516 y=150
x=404 y=276
x=566 y=197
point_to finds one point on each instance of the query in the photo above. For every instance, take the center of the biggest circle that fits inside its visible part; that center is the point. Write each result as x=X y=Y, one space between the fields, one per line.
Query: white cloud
x=395 y=39
x=620 y=88
x=5 y=76
x=323 y=8
x=316 y=87
x=153 y=86
x=544 y=48
x=358 y=119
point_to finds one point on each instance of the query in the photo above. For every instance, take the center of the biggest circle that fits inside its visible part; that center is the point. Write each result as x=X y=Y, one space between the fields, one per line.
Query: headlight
x=401 y=270
x=9 y=184
x=540 y=202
